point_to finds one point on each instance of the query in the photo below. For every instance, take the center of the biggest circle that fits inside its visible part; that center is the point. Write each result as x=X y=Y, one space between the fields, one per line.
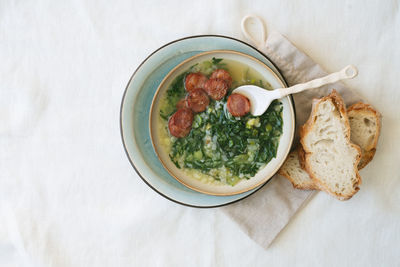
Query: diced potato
x=253 y=122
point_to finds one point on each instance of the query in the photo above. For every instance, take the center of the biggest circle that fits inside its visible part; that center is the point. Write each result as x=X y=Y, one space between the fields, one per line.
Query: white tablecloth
x=68 y=195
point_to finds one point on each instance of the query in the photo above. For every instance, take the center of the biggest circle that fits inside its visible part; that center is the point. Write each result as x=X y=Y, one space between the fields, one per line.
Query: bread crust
x=369 y=152
x=297 y=186
x=307 y=127
x=366 y=157
x=311 y=186
x=302 y=160
x=302 y=156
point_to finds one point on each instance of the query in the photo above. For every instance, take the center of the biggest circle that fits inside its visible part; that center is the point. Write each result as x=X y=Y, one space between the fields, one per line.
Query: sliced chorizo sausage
x=181 y=104
x=195 y=80
x=238 y=105
x=197 y=100
x=223 y=75
x=216 y=88
x=180 y=123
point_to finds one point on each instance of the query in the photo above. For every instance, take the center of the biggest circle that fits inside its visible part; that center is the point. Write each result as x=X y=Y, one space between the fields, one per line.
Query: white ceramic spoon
x=260 y=99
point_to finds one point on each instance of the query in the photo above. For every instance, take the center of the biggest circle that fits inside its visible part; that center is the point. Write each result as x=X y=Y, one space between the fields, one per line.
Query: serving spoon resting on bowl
x=260 y=99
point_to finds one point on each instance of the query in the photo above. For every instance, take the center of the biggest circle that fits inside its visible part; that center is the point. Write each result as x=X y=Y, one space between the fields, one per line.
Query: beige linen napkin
x=263 y=215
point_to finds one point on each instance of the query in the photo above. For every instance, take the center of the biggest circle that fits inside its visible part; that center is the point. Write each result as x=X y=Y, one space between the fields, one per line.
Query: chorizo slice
x=195 y=80
x=197 y=100
x=238 y=105
x=223 y=75
x=180 y=123
x=216 y=88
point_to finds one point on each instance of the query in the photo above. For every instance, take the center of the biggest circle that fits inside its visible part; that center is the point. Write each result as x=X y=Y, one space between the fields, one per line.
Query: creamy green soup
x=221 y=148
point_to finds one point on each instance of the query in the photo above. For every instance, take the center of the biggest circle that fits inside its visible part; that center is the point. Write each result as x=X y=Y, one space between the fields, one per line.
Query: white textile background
x=68 y=195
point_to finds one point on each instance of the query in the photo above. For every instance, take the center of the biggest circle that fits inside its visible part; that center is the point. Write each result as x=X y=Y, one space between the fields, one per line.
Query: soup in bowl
x=205 y=136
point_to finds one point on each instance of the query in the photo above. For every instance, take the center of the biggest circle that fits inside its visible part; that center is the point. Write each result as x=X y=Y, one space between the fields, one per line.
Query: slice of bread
x=330 y=158
x=292 y=170
x=365 y=125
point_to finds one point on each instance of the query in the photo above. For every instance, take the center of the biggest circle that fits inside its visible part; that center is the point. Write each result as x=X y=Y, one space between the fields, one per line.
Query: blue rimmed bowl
x=135 y=109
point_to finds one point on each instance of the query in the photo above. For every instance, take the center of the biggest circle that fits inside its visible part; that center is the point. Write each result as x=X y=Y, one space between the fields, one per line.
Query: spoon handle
x=347 y=72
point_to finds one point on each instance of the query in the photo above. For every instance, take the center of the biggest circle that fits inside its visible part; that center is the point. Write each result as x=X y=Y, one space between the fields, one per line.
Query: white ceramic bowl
x=264 y=174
